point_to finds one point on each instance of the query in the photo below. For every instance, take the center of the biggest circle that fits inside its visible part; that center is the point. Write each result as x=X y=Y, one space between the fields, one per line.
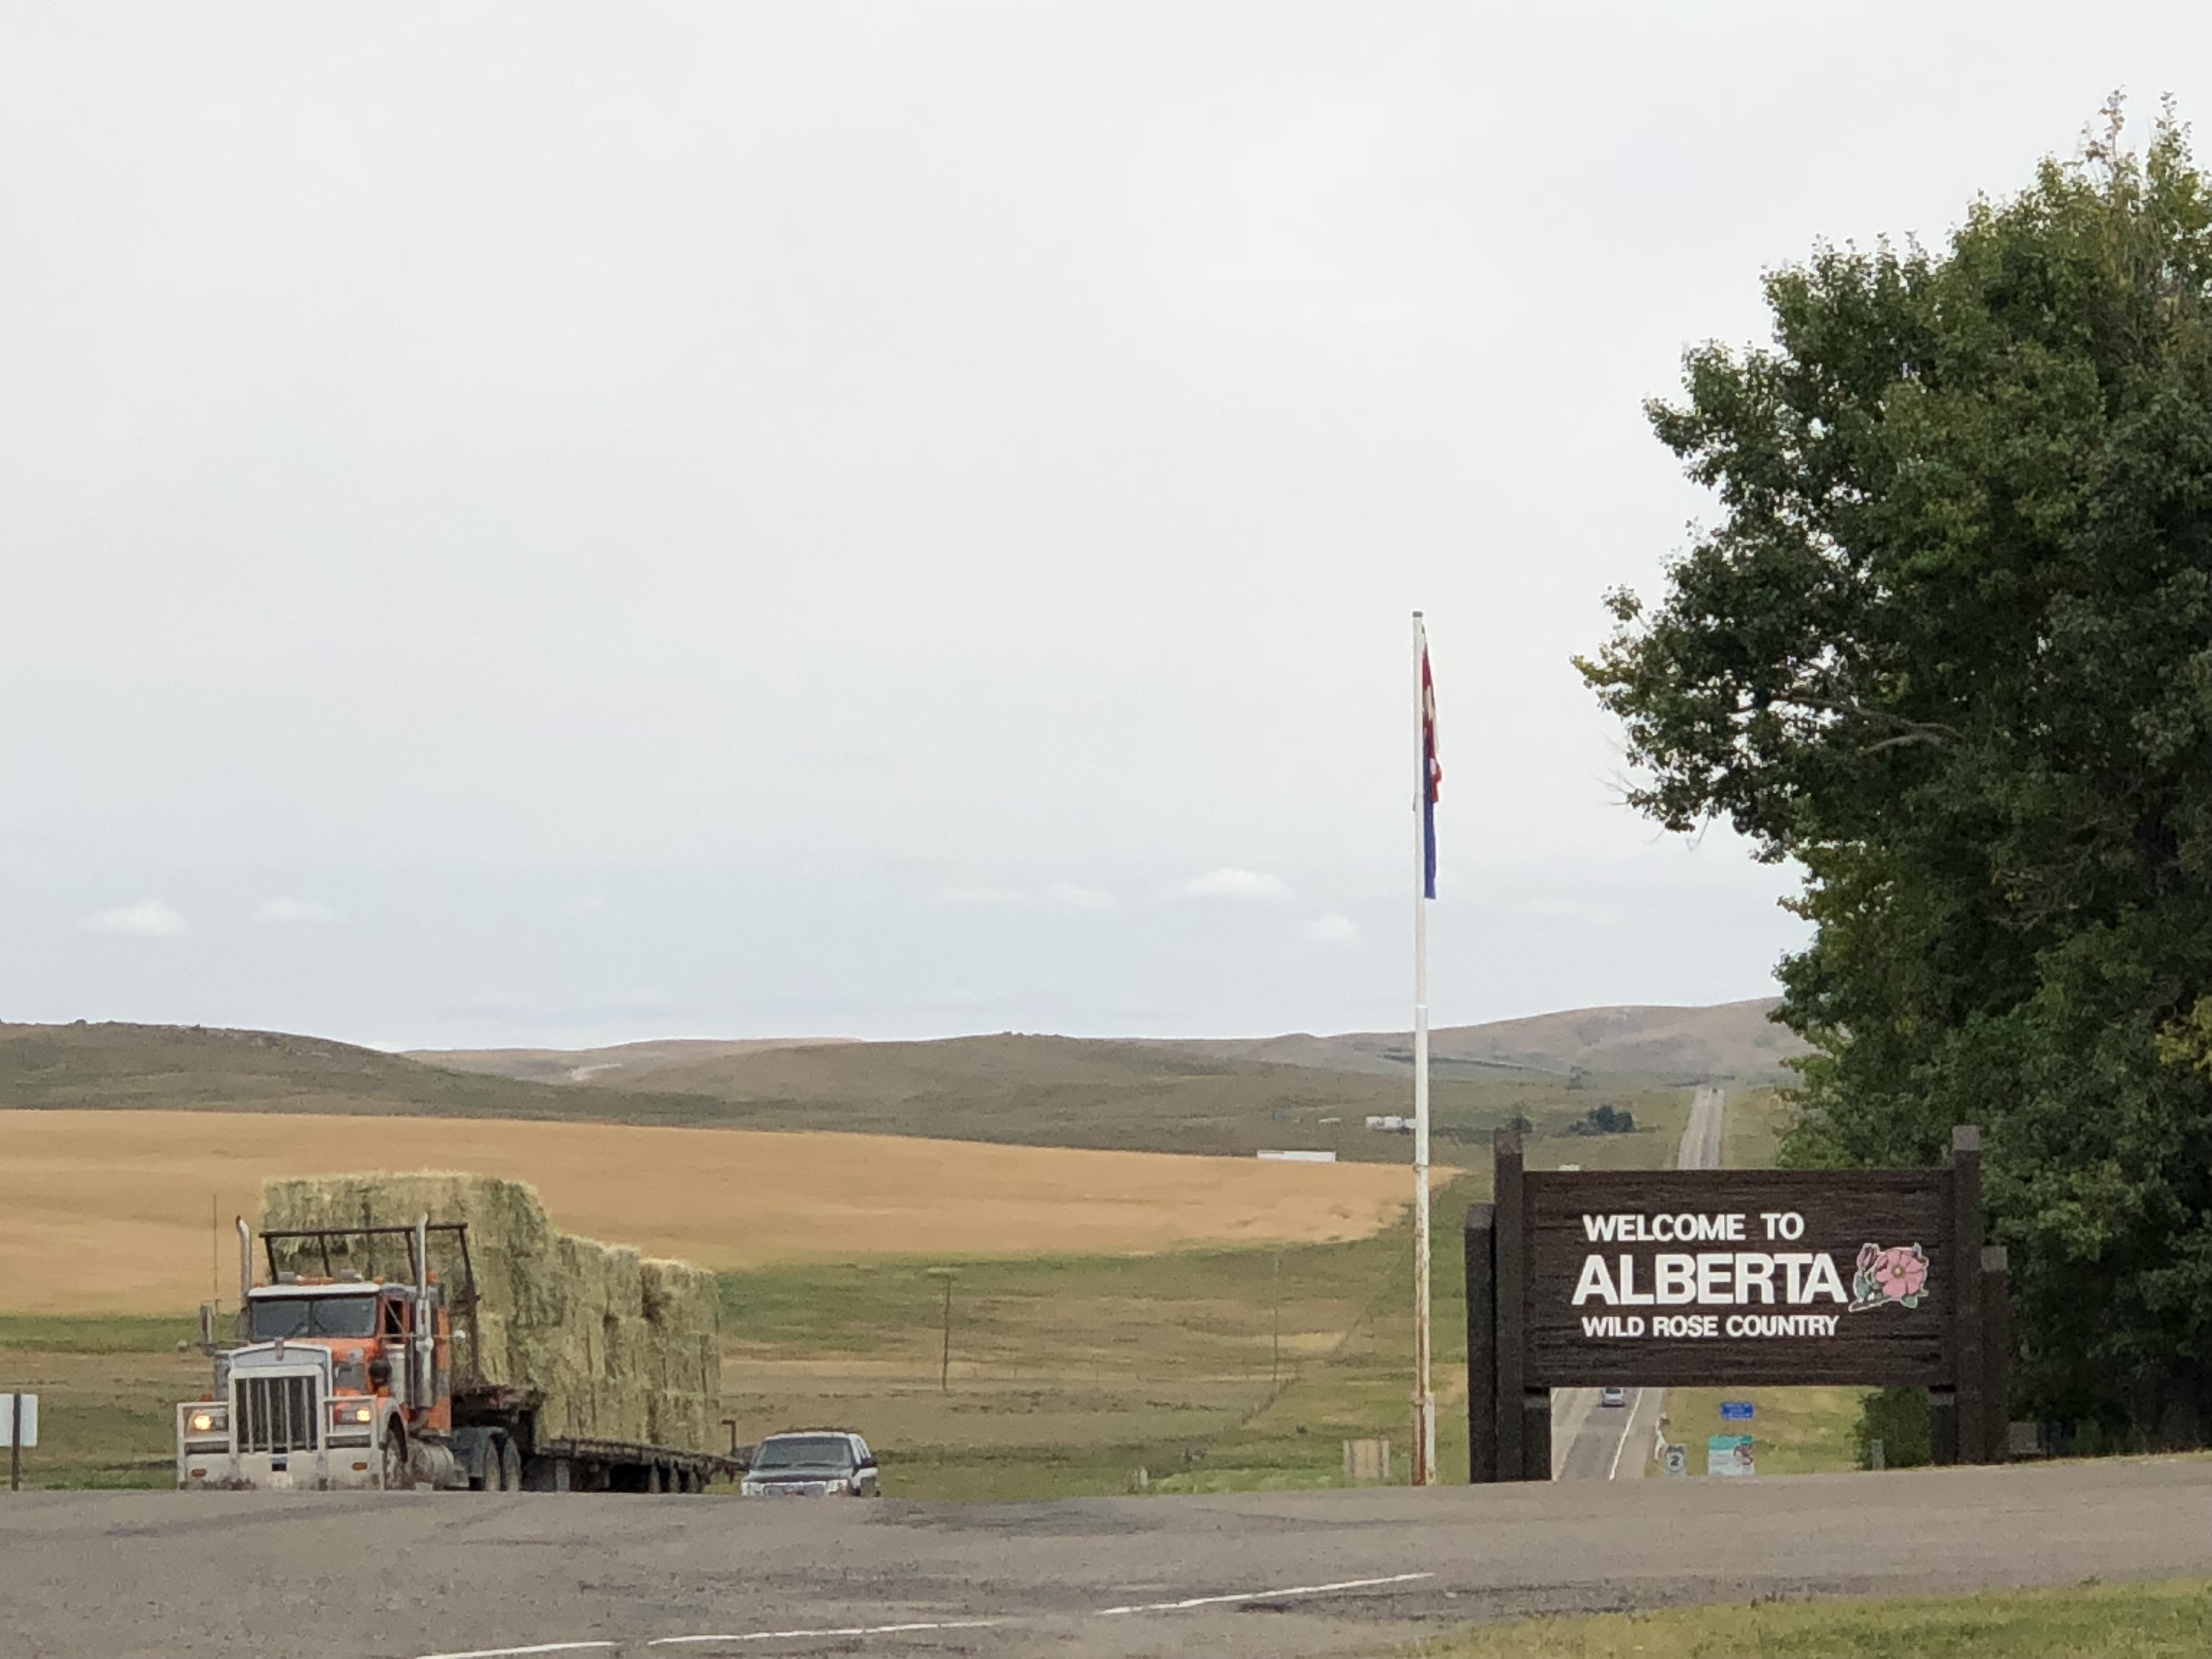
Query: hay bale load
x=608 y=1344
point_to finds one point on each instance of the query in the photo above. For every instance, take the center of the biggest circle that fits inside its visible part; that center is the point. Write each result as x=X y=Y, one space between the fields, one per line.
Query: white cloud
x=287 y=911
x=1331 y=929
x=147 y=919
x=1249 y=886
x=589 y=904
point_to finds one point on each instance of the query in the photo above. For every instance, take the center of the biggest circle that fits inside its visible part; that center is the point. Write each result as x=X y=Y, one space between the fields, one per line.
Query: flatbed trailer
x=624 y=1466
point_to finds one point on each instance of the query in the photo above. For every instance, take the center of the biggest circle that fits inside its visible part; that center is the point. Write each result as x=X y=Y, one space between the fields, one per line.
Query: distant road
x=1701 y=1140
x=1253 y=1576
x=1591 y=1441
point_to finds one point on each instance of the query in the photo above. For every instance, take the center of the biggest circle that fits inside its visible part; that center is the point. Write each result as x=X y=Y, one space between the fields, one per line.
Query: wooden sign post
x=1726 y=1279
x=21 y=1413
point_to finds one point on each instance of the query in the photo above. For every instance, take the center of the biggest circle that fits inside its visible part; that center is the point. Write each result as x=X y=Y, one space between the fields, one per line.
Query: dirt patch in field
x=117 y=1211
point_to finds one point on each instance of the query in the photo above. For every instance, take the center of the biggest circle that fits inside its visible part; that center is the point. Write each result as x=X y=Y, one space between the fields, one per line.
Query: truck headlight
x=348 y=1411
x=205 y=1422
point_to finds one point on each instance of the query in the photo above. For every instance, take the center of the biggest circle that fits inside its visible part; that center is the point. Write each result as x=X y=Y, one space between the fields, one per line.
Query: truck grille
x=276 y=1413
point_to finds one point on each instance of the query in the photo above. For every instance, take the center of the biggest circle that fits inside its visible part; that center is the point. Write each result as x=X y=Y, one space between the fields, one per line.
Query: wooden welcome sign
x=1719 y=1278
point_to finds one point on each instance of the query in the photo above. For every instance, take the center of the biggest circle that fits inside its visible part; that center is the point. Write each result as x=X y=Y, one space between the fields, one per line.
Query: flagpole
x=1424 y=1401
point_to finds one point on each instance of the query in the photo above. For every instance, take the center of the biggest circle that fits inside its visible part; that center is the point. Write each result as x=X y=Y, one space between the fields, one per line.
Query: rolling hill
x=1231 y=1096
x=1728 y=1042
x=624 y=1063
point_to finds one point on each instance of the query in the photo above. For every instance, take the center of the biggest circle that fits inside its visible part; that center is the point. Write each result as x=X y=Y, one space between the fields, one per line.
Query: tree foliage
x=1950 y=647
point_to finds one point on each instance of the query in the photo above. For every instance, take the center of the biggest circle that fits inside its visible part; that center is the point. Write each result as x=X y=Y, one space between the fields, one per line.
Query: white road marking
x=1265 y=1596
x=514 y=1653
x=1627 y=1429
x=955 y=1624
x=795 y=1635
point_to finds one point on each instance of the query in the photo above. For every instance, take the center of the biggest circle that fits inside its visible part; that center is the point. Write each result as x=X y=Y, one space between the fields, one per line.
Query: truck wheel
x=510 y=1465
x=398 y=1476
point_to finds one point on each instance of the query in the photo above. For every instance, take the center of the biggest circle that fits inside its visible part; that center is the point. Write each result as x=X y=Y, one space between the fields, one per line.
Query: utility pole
x=1275 y=1372
x=945 y=1357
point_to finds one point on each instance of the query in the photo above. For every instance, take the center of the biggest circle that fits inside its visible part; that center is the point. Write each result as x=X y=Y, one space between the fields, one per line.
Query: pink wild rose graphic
x=1897 y=1276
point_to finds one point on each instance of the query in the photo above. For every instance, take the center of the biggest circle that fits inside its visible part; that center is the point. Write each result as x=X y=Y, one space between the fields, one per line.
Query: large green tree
x=1950 y=647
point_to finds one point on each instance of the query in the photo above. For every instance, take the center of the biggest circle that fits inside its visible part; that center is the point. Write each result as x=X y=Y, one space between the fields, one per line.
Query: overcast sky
x=535 y=524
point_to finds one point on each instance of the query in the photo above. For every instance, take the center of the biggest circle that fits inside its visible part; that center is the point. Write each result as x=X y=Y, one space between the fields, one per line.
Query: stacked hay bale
x=609 y=1345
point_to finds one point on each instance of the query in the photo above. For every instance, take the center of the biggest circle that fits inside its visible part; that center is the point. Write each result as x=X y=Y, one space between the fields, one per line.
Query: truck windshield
x=804 y=1451
x=313 y=1316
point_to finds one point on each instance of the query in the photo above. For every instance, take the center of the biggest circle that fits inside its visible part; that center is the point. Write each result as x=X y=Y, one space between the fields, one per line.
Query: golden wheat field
x=124 y=1212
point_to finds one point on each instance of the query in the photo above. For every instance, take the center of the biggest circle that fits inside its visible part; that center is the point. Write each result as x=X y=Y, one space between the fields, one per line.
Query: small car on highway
x=1612 y=1396
x=811 y=1463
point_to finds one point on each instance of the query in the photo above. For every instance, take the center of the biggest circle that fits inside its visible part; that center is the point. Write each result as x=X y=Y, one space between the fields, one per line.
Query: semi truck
x=343 y=1380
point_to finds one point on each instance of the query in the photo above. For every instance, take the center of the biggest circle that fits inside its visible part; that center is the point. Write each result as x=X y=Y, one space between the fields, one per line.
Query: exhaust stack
x=422 y=1385
x=245 y=1263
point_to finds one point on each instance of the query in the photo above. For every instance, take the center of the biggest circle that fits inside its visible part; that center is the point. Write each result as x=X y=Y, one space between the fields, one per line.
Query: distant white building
x=1297 y=1157
x=1391 y=1124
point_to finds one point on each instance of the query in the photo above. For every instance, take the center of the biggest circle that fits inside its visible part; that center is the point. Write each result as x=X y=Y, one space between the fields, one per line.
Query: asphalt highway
x=400 y=1575
x=1591 y=1441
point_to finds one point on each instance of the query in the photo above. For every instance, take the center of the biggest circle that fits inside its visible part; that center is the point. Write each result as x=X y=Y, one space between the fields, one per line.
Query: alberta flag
x=1432 y=772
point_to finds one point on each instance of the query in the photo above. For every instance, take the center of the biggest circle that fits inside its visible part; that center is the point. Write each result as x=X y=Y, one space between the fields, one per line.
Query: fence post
x=1511 y=1233
x=1942 y=1426
x=1996 y=1351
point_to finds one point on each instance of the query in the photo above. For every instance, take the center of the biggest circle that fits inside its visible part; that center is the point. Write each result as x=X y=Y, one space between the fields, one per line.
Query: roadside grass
x=2170 y=1620
x=1069 y=1374
x=1751 y=1131
x=1793 y=1430
x=107 y=1391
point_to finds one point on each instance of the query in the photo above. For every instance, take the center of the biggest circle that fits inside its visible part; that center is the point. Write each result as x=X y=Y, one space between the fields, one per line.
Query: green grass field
x=1209 y=1371
x=1751 y=1134
x=2091 y=1622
